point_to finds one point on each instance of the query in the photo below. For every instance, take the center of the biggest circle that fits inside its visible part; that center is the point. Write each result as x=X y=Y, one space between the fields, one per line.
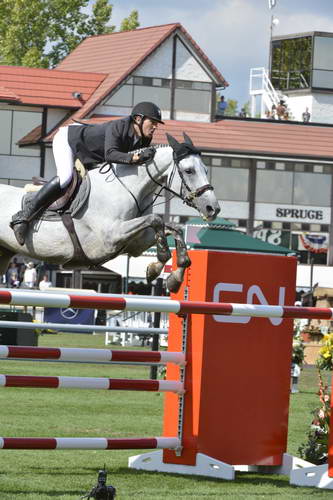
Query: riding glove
x=146 y=156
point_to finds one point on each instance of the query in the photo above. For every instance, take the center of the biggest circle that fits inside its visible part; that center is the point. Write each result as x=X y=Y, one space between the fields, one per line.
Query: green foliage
x=131 y=22
x=231 y=109
x=40 y=33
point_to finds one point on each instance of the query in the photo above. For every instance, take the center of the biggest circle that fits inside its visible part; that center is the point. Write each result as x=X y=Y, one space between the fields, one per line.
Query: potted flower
x=324 y=361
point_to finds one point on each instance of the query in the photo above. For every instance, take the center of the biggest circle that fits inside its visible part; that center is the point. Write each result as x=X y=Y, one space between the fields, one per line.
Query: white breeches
x=63 y=156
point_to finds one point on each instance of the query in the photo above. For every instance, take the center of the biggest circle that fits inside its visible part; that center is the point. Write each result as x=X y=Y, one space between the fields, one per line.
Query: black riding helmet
x=147 y=110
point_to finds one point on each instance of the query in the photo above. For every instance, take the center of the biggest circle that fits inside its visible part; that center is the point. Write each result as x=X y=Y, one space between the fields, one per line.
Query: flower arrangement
x=325 y=358
x=316 y=448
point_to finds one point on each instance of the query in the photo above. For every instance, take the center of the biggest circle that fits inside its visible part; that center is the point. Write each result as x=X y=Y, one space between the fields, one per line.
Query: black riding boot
x=48 y=194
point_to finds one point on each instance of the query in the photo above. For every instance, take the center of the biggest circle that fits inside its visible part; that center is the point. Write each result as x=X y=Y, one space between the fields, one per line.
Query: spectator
x=45 y=283
x=281 y=111
x=12 y=275
x=242 y=113
x=273 y=114
x=30 y=276
x=306 y=115
x=222 y=106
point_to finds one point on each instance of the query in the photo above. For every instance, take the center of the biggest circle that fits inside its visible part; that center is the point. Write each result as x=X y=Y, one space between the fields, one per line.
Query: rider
x=93 y=144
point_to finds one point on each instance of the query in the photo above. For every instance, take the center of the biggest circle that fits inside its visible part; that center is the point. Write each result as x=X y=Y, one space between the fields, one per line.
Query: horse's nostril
x=210 y=209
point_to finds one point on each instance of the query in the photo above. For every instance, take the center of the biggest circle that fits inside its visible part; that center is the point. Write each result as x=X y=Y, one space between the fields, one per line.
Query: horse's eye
x=188 y=171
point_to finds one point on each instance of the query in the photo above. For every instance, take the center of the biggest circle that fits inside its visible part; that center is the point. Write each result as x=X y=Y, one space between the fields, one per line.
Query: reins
x=188 y=198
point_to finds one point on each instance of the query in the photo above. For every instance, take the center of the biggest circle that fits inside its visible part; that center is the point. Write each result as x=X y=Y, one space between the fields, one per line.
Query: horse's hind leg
x=175 y=278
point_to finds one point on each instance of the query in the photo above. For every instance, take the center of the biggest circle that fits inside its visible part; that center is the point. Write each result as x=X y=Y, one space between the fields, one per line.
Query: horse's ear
x=188 y=140
x=172 y=141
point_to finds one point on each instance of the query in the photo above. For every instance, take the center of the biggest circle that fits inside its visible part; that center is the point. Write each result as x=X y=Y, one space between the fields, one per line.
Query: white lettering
x=253 y=291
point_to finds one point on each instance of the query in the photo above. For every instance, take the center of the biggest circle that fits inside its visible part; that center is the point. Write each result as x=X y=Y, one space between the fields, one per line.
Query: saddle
x=66 y=207
x=72 y=200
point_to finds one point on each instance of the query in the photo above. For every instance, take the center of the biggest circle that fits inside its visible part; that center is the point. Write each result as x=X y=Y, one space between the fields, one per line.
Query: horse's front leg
x=154 y=269
x=175 y=278
x=127 y=235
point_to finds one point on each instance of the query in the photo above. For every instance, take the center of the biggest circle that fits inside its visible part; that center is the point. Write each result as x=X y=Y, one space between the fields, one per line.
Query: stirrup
x=18 y=218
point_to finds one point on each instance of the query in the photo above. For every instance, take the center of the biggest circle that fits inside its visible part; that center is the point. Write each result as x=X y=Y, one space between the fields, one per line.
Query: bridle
x=186 y=194
x=191 y=195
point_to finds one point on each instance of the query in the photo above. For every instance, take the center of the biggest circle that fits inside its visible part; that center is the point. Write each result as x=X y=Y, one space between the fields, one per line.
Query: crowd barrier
x=234 y=412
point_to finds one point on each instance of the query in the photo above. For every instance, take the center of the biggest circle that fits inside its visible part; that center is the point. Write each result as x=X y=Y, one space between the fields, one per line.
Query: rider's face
x=148 y=126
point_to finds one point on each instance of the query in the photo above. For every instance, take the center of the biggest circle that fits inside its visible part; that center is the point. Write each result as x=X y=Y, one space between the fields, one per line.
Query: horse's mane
x=156 y=146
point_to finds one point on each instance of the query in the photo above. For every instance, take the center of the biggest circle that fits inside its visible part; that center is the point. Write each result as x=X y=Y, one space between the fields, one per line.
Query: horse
x=118 y=218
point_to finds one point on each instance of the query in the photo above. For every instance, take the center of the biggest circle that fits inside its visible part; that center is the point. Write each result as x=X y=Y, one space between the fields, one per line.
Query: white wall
x=323 y=275
x=159 y=64
x=320 y=106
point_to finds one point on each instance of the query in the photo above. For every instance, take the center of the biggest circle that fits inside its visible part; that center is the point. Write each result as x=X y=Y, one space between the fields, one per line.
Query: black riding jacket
x=105 y=142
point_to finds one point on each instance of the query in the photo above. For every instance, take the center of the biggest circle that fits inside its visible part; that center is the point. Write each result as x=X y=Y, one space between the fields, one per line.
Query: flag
x=315 y=243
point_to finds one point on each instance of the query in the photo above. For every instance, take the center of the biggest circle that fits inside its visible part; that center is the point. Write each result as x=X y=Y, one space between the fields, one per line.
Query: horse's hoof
x=173 y=284
x=153 y=271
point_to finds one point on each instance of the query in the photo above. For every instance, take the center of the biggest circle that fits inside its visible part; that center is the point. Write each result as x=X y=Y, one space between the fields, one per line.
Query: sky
x=234 y=34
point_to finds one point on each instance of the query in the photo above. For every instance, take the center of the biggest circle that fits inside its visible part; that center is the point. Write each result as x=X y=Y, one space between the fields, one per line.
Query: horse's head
x=196 y=190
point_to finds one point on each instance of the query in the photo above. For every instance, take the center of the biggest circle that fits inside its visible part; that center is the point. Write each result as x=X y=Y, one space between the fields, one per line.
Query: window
x=230 y=183
x=123 y=97
x=291 y=63
x=195 y=101
x=24 y=122
x=160 y=95
x=5 y=131
x=274 y=186
x=312 y=189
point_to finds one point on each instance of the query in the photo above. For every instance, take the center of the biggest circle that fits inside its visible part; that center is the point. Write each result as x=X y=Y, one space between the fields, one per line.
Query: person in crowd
x=306 y=115
x=281 y=111
x=109 y=142
x=13 y=275
x=30 y=276
x=45 y=283
x=242 y=113
x=273 y=113
x=222 y=106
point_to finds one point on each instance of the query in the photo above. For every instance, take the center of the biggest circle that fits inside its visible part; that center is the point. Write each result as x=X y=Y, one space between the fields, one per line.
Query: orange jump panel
x=238 y=368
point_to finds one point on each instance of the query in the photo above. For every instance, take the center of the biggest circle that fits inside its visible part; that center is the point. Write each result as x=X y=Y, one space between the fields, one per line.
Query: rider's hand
x=144 y=157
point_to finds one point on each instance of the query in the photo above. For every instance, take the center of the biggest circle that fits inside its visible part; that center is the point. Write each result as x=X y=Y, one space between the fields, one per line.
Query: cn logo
x=253 y=291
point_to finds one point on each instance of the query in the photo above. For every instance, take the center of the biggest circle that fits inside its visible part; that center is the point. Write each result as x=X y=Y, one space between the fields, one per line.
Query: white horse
x=117 y=218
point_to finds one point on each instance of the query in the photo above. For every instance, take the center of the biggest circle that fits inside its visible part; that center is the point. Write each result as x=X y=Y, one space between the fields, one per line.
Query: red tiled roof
x=47 y=87
x=248 y=137
x=8 y=95
x=118 y=54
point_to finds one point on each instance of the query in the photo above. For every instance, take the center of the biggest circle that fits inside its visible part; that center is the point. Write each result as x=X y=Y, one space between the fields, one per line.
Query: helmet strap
x=140 y=126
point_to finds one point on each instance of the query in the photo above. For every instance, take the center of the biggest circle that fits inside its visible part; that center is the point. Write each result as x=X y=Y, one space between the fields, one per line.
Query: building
x=274 y=178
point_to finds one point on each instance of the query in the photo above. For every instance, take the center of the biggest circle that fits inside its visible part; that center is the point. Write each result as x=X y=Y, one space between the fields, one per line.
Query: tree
x=40 y=33
x=231 y=108
x=131 y=22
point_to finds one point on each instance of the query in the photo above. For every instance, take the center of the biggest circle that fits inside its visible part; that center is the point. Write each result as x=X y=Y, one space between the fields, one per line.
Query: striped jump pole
x=37 y=443
x=91 y=355
x=99 y=301
x=42 y=382
x=78 y=328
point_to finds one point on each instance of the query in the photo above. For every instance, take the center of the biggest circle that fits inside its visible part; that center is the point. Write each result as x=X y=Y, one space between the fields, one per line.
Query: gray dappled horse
x=117 y=218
